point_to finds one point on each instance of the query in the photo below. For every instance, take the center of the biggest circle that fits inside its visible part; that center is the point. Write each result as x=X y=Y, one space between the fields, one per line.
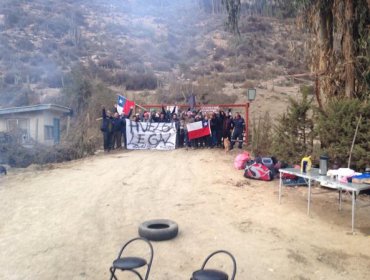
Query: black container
x=323 y=165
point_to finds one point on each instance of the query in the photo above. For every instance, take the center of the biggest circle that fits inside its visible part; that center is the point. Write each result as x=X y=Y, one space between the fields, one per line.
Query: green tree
x=262 y=135
x=78 y=90
x=336 y=128
x=294 y=131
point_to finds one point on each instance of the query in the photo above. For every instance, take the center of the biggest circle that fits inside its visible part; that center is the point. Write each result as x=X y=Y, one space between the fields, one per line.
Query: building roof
x=35 y=108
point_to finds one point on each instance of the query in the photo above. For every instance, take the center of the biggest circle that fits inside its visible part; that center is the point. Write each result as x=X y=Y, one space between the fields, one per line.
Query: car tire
x=158 y=230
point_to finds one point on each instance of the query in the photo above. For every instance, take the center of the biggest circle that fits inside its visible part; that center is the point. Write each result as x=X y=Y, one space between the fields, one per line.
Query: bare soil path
x=69 y=221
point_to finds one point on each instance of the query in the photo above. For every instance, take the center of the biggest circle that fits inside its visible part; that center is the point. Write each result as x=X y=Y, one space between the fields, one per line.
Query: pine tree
x=336 y=128
x=294 y=131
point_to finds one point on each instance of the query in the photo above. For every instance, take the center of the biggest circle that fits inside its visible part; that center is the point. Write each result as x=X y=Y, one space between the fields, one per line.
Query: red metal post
x=246 y=123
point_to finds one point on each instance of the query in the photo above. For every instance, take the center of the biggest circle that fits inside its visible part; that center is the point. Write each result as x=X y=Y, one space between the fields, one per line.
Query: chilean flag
x=198 y=129
x=124 y=105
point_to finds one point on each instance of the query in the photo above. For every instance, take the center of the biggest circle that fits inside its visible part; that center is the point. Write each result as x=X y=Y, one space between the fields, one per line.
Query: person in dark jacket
x=227 y=127
x=239 y=125
x=117 y=131
x=206 y=139
x=213 y=124
x=153 y=116
x=219 y=125
x=107 y=129
x=162 y=118
x=175 y=120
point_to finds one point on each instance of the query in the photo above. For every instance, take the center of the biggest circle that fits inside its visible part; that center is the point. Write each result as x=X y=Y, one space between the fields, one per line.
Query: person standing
x=182 y=130
x=220 y=122
x=116 y=131
x=107 y=129
x=176 y=122
x=227 y=128
x=239 y=125
x=213 y=124
x=206 y=139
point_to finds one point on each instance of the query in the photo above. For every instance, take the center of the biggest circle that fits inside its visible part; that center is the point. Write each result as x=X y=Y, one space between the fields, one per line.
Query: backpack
x=258 y=171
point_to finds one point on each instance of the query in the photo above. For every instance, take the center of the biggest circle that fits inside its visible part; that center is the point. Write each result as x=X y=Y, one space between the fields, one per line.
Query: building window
x=12 y=125
x=19 y=128
x=49 y=132
x=17 y=124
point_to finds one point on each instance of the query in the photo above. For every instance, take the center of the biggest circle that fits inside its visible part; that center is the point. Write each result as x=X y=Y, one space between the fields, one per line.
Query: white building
x=34 y=124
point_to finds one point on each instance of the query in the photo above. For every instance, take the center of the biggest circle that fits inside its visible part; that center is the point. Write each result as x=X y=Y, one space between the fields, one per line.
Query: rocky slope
x=155 y=51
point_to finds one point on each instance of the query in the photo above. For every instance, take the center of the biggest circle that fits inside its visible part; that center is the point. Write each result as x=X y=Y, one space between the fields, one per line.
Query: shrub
x=249 y=84
x=78 y=89
x=38 y=59
x=16 y=155
x=48 y=46
x=116 y=29
x=14 y=17
x=307 y=89
x=261 y=134
x=108 y=62
x=173 y=40
x=199 y=71
x=184 y=68
x=294 y=131
x=24 y=44
x=57 y=26
x=192 y=53
x=121 y=78
x=31 y=74
x=137 y=68
x=234 y=77
x=210 y=44
x=54 y=79
x=219 y=53
x=255 y=24
x=171 y=56
x=218 y=98
x=161 y=66
x=10 y=78
x=219 y=67
x=336 y=129
x=142 y=81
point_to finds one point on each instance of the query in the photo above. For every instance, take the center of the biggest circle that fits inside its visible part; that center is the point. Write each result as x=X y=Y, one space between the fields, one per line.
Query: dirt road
x=69 y=221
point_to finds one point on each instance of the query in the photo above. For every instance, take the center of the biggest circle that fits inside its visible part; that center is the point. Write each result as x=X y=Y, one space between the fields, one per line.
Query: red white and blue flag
x=124 y=105
x=198 y=129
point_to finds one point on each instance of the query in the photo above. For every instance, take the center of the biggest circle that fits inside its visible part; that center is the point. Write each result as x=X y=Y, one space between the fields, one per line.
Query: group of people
x=222 y=125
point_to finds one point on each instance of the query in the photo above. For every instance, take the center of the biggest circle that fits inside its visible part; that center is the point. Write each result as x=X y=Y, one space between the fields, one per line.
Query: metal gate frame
x=244 y=106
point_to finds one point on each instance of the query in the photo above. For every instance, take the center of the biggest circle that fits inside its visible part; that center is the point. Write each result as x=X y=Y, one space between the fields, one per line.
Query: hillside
x=155 y=51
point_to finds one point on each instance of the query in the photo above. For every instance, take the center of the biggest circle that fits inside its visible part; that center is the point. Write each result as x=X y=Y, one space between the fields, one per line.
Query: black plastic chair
x=214 y=274
x=132 y=263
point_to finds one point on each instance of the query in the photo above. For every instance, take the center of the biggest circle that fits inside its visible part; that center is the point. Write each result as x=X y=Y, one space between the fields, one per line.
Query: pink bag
x=241 y=160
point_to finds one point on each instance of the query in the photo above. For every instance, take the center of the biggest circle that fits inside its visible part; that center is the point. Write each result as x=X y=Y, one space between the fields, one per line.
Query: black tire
x=158 y=230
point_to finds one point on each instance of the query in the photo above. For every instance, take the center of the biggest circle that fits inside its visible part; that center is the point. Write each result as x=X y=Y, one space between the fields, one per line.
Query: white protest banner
x=150 y=135
x=209 y=109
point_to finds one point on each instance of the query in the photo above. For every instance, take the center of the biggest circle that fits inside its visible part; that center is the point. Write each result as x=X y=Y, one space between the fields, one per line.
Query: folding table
x=313 y=175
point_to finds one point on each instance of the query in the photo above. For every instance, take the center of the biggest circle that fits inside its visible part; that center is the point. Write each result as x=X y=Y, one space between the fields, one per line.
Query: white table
x=313 y=175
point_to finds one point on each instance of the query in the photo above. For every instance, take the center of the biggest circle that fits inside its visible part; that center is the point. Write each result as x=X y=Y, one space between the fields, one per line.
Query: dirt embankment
x=69 y=221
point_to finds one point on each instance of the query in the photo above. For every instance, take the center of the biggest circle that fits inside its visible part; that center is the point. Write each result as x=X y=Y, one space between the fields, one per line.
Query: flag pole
x=141 y=107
